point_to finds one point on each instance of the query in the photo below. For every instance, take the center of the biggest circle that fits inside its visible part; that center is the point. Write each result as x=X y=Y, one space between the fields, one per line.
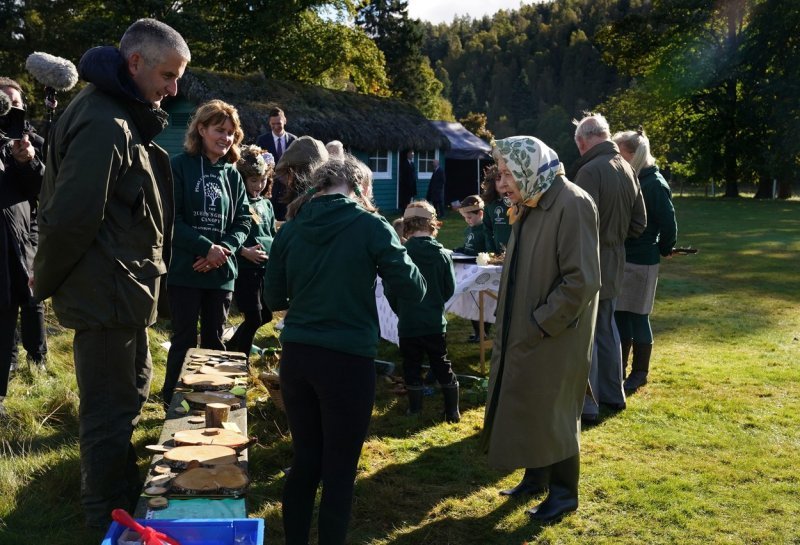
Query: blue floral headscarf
x=534 y=167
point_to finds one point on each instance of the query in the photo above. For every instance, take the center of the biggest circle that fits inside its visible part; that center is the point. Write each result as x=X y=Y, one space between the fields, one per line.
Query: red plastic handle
x=150 y=536
x=122 y=516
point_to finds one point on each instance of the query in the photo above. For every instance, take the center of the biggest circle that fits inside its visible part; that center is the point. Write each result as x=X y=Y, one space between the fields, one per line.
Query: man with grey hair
x=607 y=177
x=105 y=227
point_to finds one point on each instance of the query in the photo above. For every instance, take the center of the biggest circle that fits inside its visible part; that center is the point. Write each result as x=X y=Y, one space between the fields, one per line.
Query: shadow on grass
x=47 y=509
x=420 y=495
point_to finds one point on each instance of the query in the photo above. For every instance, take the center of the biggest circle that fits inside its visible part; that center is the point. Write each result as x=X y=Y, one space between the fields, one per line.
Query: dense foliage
x=715 y=84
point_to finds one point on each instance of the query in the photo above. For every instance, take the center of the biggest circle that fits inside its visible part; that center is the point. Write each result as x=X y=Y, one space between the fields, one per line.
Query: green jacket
x=661 y=233
x=323 y=267
x=477 y=239
x=417 y=319
x=496 y=220
x=609 y=179
x=105 y=214
x=210 y=208
x=262 y=231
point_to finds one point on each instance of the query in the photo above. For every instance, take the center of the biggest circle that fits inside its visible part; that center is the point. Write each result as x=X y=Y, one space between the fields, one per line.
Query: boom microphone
x=52 y=71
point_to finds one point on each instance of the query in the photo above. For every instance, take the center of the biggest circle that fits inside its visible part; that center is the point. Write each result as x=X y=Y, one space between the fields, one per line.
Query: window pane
x=426 y=160
x=379 y=161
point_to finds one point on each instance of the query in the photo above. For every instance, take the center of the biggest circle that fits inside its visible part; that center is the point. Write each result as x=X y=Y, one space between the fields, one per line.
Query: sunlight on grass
x=706 y=453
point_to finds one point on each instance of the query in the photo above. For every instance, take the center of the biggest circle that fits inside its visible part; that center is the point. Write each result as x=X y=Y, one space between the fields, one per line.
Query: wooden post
x=216 y=414
x=481 y=333
x=484 y=341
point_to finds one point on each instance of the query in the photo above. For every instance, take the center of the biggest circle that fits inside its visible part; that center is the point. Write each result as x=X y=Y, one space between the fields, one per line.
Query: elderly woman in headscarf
x=546 y=315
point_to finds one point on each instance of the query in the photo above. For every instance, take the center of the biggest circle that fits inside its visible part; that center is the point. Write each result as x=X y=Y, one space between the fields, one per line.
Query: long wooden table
x=178 y=420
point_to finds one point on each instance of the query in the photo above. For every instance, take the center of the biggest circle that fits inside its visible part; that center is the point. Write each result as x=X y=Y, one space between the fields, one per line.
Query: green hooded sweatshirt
x=323 y=267
x=426 y=317
x=210 y=208
x=495 y=218
x=262 y=231
x=477 y=239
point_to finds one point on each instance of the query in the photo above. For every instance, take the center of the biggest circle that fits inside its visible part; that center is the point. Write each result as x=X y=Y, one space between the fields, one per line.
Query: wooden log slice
x=211 y=436
x=235 y=357
x=205 y=455
x=198 y=381
x=225 y=369
x=226 y=480
x=199 y=400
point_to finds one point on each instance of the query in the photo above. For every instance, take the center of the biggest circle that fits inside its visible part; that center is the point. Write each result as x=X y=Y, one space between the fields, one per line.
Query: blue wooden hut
x=374 y=129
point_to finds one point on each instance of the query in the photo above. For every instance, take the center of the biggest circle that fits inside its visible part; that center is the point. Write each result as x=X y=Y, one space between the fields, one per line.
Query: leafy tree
x=400 y=38
x=308 y=40
x=685 y=54
x=771 y=89
x=476 y=124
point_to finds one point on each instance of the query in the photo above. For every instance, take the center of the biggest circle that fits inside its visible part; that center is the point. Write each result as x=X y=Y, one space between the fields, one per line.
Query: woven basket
x=273 y=384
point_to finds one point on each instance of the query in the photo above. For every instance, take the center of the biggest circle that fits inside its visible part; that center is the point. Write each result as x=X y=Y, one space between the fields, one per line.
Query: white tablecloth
x=471 y=279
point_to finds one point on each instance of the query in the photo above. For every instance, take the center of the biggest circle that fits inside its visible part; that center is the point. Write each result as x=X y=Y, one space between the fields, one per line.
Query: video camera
x=12 y=124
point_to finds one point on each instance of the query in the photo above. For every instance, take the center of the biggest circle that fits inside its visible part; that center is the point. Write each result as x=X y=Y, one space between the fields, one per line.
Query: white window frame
x=379 y=154
x=425 y=175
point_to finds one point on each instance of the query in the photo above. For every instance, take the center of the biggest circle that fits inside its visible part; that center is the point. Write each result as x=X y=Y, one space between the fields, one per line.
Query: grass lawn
x=707 y=452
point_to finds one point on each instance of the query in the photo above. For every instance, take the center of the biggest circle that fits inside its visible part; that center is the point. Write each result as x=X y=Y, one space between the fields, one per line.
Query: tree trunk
x=784 y=189
x=764 y=190
x=734 y=19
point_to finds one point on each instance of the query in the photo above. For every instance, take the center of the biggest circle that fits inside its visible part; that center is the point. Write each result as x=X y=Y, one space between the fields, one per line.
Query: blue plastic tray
x=201 y=531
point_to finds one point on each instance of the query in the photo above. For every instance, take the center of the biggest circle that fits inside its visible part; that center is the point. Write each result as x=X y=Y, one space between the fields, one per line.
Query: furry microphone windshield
x=52 y=71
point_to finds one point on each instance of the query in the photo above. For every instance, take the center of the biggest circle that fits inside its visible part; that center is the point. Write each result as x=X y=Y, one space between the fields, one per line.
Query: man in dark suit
x=407 y=189
x=276 y=142
x=435 y=194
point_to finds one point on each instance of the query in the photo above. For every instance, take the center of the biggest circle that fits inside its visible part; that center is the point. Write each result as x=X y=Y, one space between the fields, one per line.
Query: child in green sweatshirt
x=422 y=324
x=477 y=239
x=256 y=167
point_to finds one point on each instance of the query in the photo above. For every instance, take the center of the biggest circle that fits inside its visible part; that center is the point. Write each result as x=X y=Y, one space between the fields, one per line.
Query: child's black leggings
x=329 y=397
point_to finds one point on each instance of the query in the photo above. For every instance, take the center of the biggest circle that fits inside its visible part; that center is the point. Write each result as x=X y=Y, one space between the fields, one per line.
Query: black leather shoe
x=563 y=495
x=534 y=481
x=557 y=504
x=635 y=380
x=589 y=419
x=524 y=488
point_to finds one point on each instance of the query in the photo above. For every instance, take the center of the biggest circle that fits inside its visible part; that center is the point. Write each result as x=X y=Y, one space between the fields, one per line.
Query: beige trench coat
x=537 y=384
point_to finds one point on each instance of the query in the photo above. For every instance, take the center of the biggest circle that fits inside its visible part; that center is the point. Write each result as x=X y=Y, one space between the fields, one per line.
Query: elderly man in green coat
x=546 y=309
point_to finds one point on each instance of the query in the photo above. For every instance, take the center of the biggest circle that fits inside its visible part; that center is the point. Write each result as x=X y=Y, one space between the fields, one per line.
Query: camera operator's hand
x=22 y=150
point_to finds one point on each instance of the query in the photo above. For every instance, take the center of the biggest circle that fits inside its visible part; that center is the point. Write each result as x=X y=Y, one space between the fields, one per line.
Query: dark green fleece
x=427 y=316
x=495 y=219
x=661 y=233
x=323 y=267
x=477 y=239
x=210 y=208
x=262 y=231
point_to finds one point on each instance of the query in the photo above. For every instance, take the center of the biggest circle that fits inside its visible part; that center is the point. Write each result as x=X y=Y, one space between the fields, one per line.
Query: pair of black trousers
x=8 y=340
x=33 y=333
x=328 y=397
x=187 y=305
x=247 y=294
x=114 y=370
x=414 y=350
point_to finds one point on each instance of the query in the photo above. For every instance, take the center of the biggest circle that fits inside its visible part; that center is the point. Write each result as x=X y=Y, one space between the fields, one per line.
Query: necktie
x=278 y=147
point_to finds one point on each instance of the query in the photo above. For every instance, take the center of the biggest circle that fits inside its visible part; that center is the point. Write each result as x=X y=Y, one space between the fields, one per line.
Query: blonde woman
x=642 y=257
x=212 y=221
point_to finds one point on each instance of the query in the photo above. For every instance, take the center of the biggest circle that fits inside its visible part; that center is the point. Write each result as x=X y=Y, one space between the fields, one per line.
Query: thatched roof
x=360 y=121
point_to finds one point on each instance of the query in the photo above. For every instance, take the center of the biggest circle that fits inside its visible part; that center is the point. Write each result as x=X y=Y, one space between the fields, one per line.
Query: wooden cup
x=216 y=414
